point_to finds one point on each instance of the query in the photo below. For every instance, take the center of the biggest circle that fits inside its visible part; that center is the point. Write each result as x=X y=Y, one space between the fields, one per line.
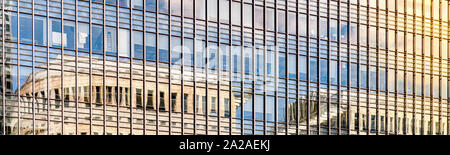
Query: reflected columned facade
x=210 y=67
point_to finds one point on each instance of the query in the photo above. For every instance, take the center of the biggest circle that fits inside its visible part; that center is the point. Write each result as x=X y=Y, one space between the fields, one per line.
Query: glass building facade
x=210 y=67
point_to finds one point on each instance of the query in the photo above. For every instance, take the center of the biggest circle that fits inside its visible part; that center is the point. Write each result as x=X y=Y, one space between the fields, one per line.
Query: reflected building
x=209 y=67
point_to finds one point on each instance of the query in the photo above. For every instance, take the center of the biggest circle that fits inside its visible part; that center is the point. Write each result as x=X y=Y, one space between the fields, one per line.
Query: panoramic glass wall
x=239 y=67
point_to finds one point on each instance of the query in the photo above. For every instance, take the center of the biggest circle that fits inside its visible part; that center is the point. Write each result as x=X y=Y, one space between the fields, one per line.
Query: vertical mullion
x=3 y=72
x=104 y=72
x=33 y=73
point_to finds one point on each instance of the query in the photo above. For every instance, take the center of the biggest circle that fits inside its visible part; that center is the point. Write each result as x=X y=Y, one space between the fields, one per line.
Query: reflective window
x=364 y=83
x=270 y=60
x=344 y=74
x=259 y=17
x=313 y=70
x=26 y=29
x=418 y=84
x=248 y=15
x=163 y=6
x=303 y=68
x=225 y=57
x=150 y=5
x=270 y=19
x=124 y=3
x=224 y=11
x=200 y=9
x=175 y=7
x=138 y=44
x=11 y=29
x=200 y=53
x=353 y=33
x=176 y=50
x=282 y=65
x=212 y=10
x=113 y=2
x=292 y=67
x=427 y=85
x=83 y=37
x=212 y=56
x=391 y=80
x=163 y=48
x=281 y=21
x=97 y=39
x=323 y=28
x=302 y=20
x=323 y=71
x=334 y=72
x=55 y=32
x=138 y=4
x=40 y=37
x=313 y=26
x=110 y=41
x=373 y=78
x=188 y=52
x=188 y=8
x=259 y=68
x=236 y=13
x=292 y=23
x=383 y=79
x=409 y=83
x=333 y=30
x=354 y=75
x=150 y=46
x=436 y=85
x=69 y=35
x=124 y=43
x=248 y=60
x=236 y=59
x=344 y=31
x=401 y=82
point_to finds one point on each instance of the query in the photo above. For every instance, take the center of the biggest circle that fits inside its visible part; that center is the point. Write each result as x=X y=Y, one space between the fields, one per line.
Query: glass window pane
x=138 y=44
x=313 y=70
x=282 y=65
x=212 y=10
x=163 y=48
x=200 y=10
x=188 y=52
x=334 y=72
x=259 y=17
x=270 y=19
x=323 y=71
x=364 y=76
x=292 y=73
x=248 y=15
x=26 y=29
x=236 y=13
x=224 y=11
x=97 y=39
x=110 y=41
x=83 y=37
x=40 y=37
x=124 y=43
x=150 y=46
x=124 y=3
x=175 y=50
x=354 y=75
x=11 y=29
x=303 y=68
x=175 y=7
x=69 y=35
x=55 y=32
x=163 y=6
x=188 y=8
x=150 y=5
x=344 y=74
x=281 y=21
x=138 y=4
